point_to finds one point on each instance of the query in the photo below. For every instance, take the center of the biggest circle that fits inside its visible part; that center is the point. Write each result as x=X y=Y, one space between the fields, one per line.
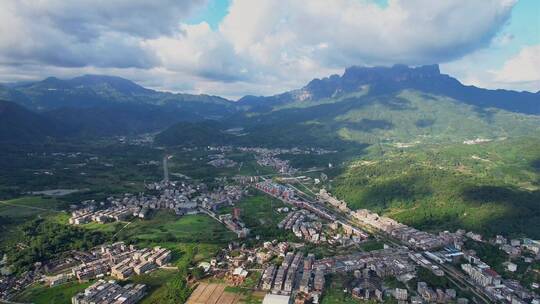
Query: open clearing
x=40 y=294
x=25 y=207
x=213 y=294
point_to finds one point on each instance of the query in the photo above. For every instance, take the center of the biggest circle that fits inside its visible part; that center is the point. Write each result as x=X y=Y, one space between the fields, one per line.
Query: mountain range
x=395 y=104
x=96 y=105
x=364 y=105
x=388 y=80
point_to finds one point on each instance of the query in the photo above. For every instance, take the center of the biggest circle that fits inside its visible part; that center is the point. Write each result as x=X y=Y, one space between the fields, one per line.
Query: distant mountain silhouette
x=100 y=90
x=384 y=80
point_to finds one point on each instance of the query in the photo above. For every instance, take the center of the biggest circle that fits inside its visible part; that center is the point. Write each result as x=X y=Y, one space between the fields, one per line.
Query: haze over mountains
x=385 y=80
x=95 y=105
x=373 y=105
x=363 y=105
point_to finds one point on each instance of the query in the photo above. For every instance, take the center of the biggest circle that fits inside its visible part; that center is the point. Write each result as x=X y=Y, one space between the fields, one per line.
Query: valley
x=328 y=185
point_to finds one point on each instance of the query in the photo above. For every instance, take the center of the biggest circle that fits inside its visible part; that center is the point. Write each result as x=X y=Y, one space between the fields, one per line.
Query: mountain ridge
x=362 y=104
x=95 y=90
x=370 y=105
x=384 y=80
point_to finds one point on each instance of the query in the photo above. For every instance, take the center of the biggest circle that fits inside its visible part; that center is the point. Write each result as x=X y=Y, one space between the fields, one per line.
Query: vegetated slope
x=416 y=116
x=490 y=188
x=194 y=133
x=19 y=125
x=96 y=105
x=389 y=104
x=100 y=90
x=95 y=90
x=401 y=118
x=119 y=119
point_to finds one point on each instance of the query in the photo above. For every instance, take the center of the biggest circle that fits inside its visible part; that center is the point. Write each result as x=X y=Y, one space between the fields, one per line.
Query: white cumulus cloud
x=522 y=68
x=260 y=47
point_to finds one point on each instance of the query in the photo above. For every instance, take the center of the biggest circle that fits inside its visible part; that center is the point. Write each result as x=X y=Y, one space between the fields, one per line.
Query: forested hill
x=396 y=105
x=93 y=106
x=18 y=124
x=490 y=188
x=100 y=90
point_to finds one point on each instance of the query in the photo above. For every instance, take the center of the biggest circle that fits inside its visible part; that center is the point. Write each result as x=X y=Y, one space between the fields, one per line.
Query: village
x=115 y=261
x=286 y=270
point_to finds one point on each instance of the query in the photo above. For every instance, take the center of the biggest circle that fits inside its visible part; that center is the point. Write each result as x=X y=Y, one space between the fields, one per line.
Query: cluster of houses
x=495 y=286
x=384 y=262
x=282 y=166
x=295 y=275
x=368 y=286
x=308 y=226
x=219 y=161
x=283 y=278
x=90 y=214
x=288 y=196
x=304 y=225
x=233 y=222
x=449 y=246
x=294 y=151
x=120 y=261
x=179 y=197
x=437 y=295
x=414 y=237
x=325 y=197
x=110 y=292
x=303 y=278
x=515 y=247
x=11 y=285
x=482 y=275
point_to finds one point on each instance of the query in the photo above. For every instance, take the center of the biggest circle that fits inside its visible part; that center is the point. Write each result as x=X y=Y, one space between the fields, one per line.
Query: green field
x=371 y=245
x=155 y=283
x=61 y=294
x=16 y=211
x=258 y=212
x=28 y=207
x=102 y=167
x=195 y=164
x=164 y=226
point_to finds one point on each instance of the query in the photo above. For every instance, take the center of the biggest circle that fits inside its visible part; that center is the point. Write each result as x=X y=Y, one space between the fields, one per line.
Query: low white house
x=276 y=299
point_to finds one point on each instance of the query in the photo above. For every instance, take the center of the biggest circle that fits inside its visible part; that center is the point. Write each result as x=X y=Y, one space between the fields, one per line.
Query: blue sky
x=212 y=13
x=237 y=47
x=521 y=31
x=524 y=24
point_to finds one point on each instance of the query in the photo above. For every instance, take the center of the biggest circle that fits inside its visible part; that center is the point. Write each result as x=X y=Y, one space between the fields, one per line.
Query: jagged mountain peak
x=390 y=80
x=394 y=72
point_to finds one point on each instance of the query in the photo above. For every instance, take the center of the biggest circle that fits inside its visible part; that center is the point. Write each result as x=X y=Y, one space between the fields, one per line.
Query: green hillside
x=19 y=125
x=491 y=188
x=414 y=116
x=404 y=118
